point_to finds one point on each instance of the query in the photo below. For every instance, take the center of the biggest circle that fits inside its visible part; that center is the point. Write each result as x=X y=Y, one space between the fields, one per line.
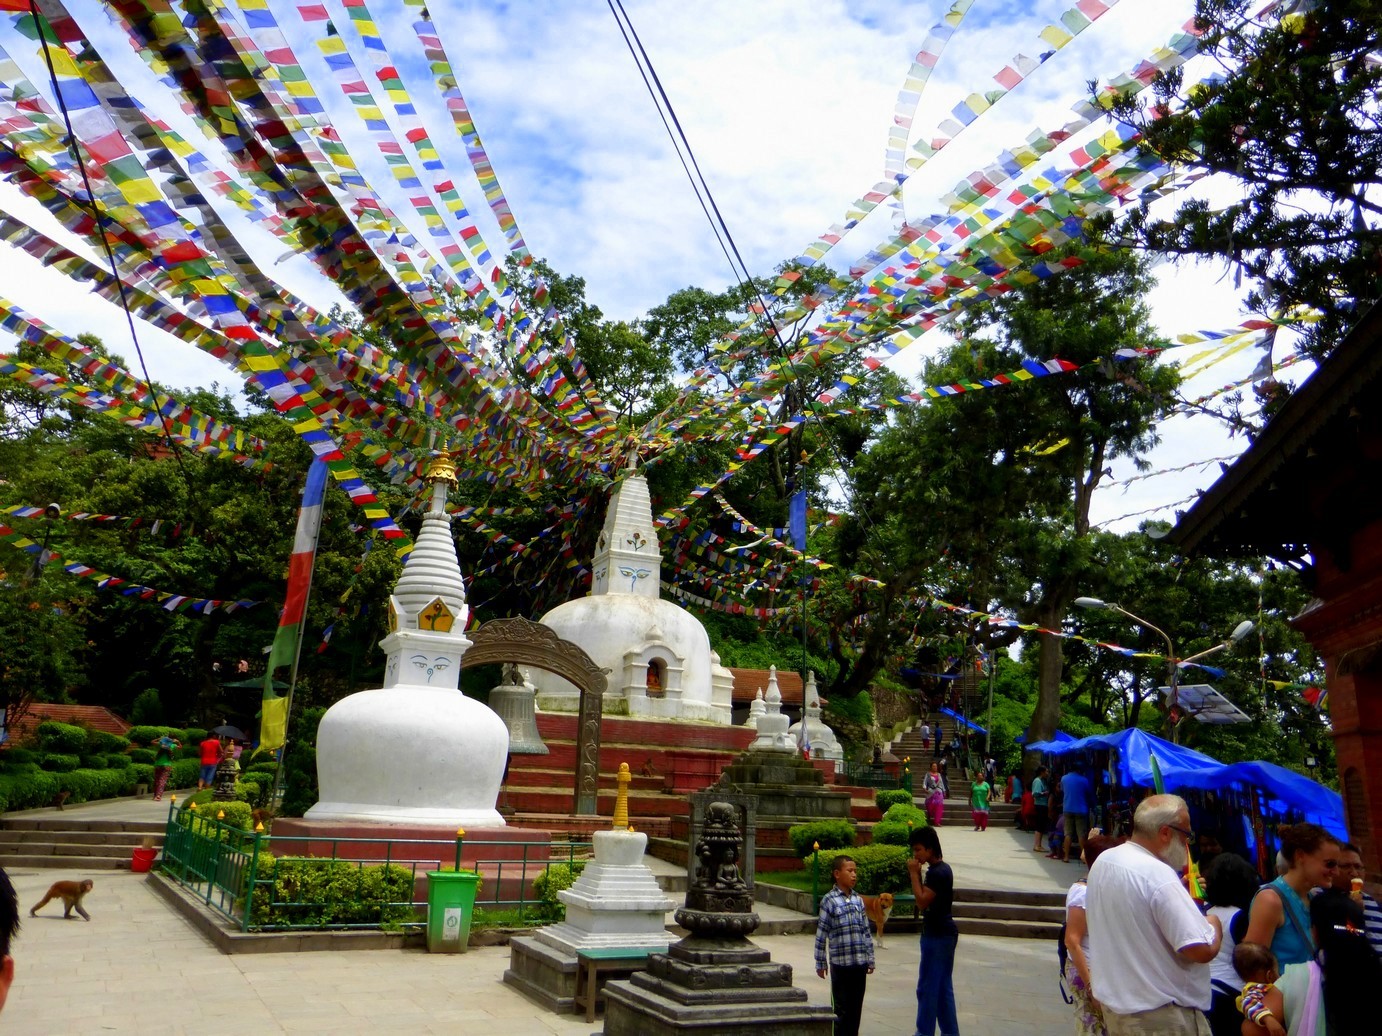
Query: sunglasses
x=1188 y=835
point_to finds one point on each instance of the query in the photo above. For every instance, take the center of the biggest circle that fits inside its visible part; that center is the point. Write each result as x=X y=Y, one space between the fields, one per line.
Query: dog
x=879 y=908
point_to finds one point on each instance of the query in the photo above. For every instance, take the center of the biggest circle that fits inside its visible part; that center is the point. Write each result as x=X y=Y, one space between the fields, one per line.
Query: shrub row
x=552 y=880
x=897 y=824
x=831 y=834
x=326 y=893
x=881 y=868
x=886 y=798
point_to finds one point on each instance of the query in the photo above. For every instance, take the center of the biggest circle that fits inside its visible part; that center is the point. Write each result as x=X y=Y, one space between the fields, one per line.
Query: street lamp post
x=1173 y=682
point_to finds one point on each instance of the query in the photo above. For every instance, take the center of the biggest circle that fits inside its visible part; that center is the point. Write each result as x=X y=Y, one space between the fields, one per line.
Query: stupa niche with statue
x=415 y=758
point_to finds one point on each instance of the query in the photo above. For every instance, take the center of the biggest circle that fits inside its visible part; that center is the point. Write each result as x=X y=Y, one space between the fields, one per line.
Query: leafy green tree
x=1293 y=123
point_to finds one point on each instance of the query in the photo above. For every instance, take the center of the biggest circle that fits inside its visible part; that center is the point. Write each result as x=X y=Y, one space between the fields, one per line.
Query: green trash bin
x=450 y=905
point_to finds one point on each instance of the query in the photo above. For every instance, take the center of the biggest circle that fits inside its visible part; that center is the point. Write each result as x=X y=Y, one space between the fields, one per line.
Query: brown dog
x=879 y=908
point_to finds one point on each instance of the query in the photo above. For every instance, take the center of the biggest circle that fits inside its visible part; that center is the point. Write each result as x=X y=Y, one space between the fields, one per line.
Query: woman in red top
x=211 y=758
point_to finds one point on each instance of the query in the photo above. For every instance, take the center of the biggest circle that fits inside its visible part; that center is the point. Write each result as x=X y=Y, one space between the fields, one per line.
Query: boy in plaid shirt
x=844 y=924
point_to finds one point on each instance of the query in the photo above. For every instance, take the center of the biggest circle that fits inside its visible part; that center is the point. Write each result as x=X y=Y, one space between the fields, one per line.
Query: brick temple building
x=1308 y=493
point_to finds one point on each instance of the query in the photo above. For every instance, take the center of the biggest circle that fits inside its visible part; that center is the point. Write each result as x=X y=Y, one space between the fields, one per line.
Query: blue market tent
x=1283 y=790
x=961 y=720
x=1134 y=762
x=1059 y=737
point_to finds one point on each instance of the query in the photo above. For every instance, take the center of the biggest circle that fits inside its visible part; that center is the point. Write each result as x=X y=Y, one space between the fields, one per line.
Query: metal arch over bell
x=515 y=701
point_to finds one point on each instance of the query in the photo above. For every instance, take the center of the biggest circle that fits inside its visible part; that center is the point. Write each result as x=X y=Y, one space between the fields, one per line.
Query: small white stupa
x=756 y=709
x=657 y=654
x=772 y=725
x=818 y=738
x=416 y=751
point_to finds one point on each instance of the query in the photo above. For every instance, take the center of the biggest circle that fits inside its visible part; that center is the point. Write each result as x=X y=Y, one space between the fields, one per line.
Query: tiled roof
x=97 y=717
x=748 y=682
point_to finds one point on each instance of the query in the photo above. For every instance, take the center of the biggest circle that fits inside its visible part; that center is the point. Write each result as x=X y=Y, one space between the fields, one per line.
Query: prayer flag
x=796 y=519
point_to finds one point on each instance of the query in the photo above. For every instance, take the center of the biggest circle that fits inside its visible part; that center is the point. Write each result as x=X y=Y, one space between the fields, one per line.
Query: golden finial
x=194 y=805
x=220 y=814
x=460 y=832
x=442 y=469
x=621 y=799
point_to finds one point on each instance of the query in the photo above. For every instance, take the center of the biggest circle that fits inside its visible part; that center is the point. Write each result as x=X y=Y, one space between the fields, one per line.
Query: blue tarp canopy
x=1060 y=737
x=1283 y=789
x=1183 y=768
x=960 y=719
x=1135 y=748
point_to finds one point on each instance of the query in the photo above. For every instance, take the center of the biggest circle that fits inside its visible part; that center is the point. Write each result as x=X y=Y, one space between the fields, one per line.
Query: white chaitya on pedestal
x=772 y=724
x=616 y=902
x=417 y=751
x=756 y=709
x=657 y=654
x=819 y=738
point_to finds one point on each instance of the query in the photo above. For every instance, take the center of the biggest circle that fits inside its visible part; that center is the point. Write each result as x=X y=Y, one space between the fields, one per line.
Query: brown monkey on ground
x=71 y=893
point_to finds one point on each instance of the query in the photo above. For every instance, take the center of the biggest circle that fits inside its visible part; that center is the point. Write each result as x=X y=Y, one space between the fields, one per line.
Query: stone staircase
x=1013 y=915
x=55 y=842
x=1001 y=814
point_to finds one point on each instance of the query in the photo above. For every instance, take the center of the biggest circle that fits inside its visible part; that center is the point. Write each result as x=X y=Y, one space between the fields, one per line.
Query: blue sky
x=787 y=105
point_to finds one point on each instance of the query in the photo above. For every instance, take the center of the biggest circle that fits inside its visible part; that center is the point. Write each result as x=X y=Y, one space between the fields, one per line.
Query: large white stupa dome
x=658 y=654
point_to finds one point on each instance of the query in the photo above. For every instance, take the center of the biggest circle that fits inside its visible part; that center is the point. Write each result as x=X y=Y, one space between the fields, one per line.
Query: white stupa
x=819 y=738
x=756 y=709
x=657 y=654
x=772 y=724
x=416 y=751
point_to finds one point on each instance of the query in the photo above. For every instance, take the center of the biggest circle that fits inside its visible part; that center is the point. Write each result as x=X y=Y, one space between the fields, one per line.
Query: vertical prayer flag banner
x=273 y=723
x=796 y=519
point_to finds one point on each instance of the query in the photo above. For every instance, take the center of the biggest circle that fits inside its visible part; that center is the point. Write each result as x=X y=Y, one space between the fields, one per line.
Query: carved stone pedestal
x=715 y=980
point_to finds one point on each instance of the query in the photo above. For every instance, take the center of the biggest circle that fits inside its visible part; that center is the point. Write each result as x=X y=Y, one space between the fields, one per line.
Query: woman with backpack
x=1073 y=949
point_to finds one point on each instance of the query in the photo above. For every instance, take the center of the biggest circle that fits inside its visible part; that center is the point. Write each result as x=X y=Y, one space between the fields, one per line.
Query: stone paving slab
x=140 y=968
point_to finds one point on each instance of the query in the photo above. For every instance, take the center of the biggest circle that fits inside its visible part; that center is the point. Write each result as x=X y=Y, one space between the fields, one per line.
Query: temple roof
x=1308 y=481
x=97 y=717
x=748 y=682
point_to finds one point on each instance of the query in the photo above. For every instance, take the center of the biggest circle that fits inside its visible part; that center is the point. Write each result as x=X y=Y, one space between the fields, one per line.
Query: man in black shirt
x=939 y=936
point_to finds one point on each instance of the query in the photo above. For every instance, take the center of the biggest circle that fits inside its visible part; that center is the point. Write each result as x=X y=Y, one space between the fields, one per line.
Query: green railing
x=866 y=775
x=239 y=874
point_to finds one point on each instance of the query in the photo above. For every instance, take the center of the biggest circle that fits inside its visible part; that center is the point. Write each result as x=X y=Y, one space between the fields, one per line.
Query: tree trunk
x=1050 y=664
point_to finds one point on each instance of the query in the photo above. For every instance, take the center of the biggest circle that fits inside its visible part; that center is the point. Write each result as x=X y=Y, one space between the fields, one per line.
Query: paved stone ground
x=139 y=968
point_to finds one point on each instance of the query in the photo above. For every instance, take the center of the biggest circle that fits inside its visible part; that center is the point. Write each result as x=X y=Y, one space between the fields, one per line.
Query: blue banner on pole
x=796 y=519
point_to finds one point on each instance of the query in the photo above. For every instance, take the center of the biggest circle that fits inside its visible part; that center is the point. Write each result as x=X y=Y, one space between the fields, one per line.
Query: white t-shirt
x=1139 y=915
x=1221 y=967
x=1076 y=897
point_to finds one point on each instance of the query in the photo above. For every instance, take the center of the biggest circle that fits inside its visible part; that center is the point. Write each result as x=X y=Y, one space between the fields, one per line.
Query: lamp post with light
x=1173 y=682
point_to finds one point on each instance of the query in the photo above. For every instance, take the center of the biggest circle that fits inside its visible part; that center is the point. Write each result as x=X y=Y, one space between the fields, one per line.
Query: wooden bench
x=610 y=962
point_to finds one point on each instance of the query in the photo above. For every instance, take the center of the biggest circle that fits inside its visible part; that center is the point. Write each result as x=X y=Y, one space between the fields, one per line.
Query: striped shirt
x=1373 y=914
x=844 y=924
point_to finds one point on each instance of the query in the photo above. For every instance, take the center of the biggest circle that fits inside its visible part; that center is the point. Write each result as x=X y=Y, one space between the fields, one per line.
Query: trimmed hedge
x=881 y=868
x=831 y=834
x=886 y=798
x=11 y=756
x=196 y=735
x=106 y=743
x=86 y=785
x=94 y=762
x=147 y=735
x=897 y=824
x=59 y=762
x=327 y=893
x=143 y=755
x=61 y=737
x=29 y=790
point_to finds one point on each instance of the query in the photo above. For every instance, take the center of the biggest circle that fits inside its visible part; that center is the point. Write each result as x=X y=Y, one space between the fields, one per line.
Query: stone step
x=65 y=849
x=56 y=821
x=1009 y=912
x=111 y=838
x=85 y=863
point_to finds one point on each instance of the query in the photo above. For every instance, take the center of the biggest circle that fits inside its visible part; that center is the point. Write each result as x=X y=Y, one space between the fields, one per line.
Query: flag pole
x=288 y=638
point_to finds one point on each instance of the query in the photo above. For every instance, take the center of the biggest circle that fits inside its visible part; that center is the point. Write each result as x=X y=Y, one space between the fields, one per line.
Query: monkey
x=71 y=893
x=647 y=769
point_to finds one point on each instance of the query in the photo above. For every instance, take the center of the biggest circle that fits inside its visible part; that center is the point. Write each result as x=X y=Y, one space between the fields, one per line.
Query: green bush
x=188 y=752
x=147 y=707
x=552 y=880
x=831 y=834
x=117 y=761
x=195 y=735
x=142 y=755
x=331 y=893
x=64 y=738
x=147 y=735
x=888 y=797
x=85 y=785
x=28 y=790
x=185 y=773
x=237 y=814
x=105 y=743
x=268 y=767
x=60 y=762
x=896 y=826
x=93 y=762
x=13 y=756
x=143 y=773
x=881 y=868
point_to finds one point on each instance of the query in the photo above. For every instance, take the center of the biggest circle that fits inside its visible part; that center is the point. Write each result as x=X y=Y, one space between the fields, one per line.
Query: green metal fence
x=866 y=775
x=239 y=874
